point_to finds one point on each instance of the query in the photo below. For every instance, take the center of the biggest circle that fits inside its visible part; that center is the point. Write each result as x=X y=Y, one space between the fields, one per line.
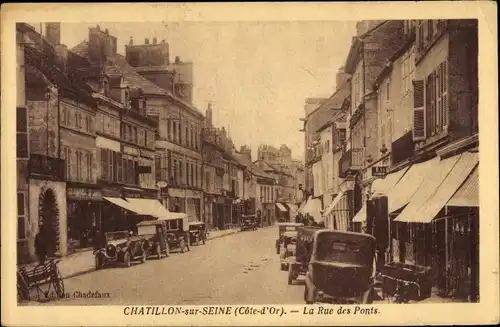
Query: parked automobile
x=282 y=228
x=177 y=233
x=121 y=247
x=197 y=232
x=155 y=233
x=248 y=222
x=298 y=264
x=288 y=248
x=341 y=268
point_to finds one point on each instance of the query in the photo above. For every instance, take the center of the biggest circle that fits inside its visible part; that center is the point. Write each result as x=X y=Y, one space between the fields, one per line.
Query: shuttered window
x=419 y=130
x=104 y=164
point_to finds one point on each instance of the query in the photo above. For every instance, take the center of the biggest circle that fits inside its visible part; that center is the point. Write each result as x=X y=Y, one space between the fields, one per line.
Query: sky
x=256 y=74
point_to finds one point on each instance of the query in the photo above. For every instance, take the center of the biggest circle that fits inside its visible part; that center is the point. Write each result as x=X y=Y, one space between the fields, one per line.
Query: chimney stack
x=208 y=116
x=177 y=59
x=146 y=41
x=53 y=33
x=131 y=41
x=154 y=40
x=106 y=31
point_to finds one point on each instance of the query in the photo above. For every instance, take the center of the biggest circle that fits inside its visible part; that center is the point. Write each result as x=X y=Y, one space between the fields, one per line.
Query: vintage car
x=155 y=233
x=298 y=264
x=287 y=248
x=248 y=222
x=282 y=228
x=177 y=233
x=197 y=232
x=121 y=247
x=341 y=268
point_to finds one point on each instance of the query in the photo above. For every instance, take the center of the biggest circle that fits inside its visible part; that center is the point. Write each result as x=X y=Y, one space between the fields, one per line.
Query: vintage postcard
x=249 y=164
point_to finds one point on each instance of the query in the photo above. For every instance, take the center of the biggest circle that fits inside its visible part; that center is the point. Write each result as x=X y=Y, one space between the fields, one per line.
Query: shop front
x=84 y=215
x=185 y=200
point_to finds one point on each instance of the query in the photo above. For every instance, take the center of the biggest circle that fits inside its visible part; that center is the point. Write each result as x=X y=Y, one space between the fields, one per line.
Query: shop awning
x=121 y=203
x=379 y=187
x=332 y=205
x=401 y=194
x=468 y=194
x=438 y=187
x=281 y=207
x=302 y=206
x=162 y=213
x=313 y=208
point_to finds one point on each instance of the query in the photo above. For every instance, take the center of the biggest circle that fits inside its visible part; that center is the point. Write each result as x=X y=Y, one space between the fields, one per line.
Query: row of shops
x=424 y=213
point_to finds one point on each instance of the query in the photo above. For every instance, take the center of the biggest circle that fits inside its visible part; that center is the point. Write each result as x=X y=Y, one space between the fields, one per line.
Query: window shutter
x=419 y=124
x=444 y=96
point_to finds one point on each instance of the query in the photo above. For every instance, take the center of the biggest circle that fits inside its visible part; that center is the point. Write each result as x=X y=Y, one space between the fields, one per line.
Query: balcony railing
x=352 y=160
x=45 y=167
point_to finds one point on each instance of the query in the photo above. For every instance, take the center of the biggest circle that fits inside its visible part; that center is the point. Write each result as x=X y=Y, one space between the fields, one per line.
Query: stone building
x=429 y=162
x=152 y=61
x=124 y=137
x=370 y=52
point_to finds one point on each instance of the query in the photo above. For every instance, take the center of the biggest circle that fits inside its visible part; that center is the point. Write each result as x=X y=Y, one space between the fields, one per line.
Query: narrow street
x=242 y=268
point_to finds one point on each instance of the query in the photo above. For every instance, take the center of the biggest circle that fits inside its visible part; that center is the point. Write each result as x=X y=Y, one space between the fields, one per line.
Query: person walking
x=41 y=245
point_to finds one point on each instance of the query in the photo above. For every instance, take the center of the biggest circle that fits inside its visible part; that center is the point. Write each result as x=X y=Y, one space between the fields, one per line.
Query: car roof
x=196 y=223
x=290 y=234
x=291 y=224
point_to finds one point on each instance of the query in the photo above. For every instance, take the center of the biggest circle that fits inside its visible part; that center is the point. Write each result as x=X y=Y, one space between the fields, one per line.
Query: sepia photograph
x=239 y=167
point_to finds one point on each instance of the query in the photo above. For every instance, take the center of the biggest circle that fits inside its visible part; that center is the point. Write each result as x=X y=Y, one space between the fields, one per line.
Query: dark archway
x=49 y=219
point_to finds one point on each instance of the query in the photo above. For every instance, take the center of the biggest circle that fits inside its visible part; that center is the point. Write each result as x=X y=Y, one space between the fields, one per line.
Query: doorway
x=49 y=219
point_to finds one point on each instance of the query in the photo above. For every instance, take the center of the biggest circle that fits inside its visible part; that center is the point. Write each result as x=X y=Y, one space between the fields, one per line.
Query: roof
x=118 y=64
x=70 y=86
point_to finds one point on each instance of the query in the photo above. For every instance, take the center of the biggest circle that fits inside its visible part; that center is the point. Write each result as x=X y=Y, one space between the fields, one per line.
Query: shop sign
x=84 y=194
x=379 y=171
x=147 y=154
x=111 y=192
x=130 y=151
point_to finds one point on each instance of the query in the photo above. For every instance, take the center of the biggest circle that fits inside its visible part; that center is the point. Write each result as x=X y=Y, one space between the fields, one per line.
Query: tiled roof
x=70 y=85
x=253 y=168
x=336 y=100
x=133 y=78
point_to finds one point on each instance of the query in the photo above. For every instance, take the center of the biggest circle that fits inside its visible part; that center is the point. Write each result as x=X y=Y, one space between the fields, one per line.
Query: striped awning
x=468 y=194
x=281 y=207
x=438 y=187
x=122 y=203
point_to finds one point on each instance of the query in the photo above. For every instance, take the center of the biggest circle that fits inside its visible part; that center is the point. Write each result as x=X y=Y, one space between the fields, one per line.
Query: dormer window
x=104 y=86
x=143 y=106
x=127 y=100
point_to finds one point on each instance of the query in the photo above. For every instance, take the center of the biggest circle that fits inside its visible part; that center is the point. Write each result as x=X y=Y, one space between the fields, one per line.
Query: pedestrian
x=41 y=245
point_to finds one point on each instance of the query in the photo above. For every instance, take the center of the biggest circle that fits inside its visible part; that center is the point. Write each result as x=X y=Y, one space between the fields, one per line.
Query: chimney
x=106 y=31
x=162 y=41
x=53 y=33
x=62 y=56
x=245 y=150
x=208 y=116
x=146 y=41
x=131 y=41
x=177 y=60
x=154 y=40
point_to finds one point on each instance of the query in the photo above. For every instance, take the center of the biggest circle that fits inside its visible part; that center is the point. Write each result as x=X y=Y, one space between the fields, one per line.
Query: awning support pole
x=446 y=253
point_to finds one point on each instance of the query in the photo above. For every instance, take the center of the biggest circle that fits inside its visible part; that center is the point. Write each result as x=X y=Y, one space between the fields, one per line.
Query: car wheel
x=158 y=251
x=126 y=259
x=182 y=246
x=290 y=275
x=98 y=263
x=367 y=297
x=306 y=296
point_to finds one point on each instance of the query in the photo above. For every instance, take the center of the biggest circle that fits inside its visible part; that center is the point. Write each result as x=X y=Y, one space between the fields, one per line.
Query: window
x=21 y=216
x=192 y=175
x=420 y=34
x=63 y=115
x=134 y=134
x=181 y=173
x=129 y=133
x=430 y=29
x=22 y=133
x=78 y=120
x=187 y=138
x=67 y=156
x=169 y=129
x=89 y=166
x=174 y=172
x=124 y=170
x=387 y=91
x=207 y=181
